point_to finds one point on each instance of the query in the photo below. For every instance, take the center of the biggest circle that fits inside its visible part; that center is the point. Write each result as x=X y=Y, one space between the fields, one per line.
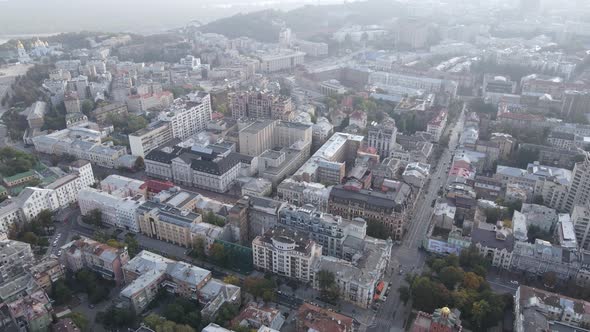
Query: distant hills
x=307 y=22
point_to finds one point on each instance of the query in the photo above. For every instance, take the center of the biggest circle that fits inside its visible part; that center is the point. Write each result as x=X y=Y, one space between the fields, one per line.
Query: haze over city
x=294 y=165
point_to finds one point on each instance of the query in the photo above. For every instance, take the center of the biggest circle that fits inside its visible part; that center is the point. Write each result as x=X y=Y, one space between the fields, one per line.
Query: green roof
x=19 y=176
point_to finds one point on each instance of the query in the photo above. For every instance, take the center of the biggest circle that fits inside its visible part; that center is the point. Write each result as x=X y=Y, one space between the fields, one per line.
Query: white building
x=581 y=220
x=280 y=60
x=436 y=126
x=122 y=186
x=283 y=252
x=67 y=187
x=416 y=174
x=116 y=211
x=188 y=115
x=34 y=200
x=145 y=140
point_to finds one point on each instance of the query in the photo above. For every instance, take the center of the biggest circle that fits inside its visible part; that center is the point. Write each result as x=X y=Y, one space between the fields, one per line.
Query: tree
x=232 y=279
x=450 y=276
x=549 y=279
x=87 y=106
x=153 y=321
x=198 y=250
x=133 y=247
x=326 y=279
x=139 y=164
x=174 y=312
x=472 y=281
x=114 y=243
x=479 y=311
x=94 y=217
x=30 y=238
x=404 y=294
x=218 y=254
x=45 y=217
x=13 y=161
x=61 y=293
x=79 y=319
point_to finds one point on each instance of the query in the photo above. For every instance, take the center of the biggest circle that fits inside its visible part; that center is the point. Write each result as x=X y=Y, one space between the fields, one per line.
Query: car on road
x=514 y=282
x=59 y=253
x=433 y=203
x=401 y=272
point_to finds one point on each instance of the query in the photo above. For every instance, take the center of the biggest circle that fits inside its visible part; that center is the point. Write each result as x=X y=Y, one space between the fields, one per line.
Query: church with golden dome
x=37 y=49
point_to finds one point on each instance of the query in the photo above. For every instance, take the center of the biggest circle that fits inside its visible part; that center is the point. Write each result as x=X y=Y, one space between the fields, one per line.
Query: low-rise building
x=436 y=126
x=536 y=259
x=443 y=320
x=300 y=193
x=494 y=243
x=314 y=318
x=16 y=257
x=32 y=312
x=103 y=113
x=539 y=310
x=96 y=256
x=47 y=272
x=254 y=317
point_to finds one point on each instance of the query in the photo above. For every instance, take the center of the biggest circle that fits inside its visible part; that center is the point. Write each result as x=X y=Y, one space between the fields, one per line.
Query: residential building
x=498 y=84
x=382 y=136
x=388 y=209
x=261 y=105
x=167 y=223
x=357 y=279
x=416 y=174
x=339 y=150
x=505 y=143
x=286 y=253
x=147 y=273
x=581 y=220
x=32 y=201
x=535 y=259
x=442 y=320
x=147 y=139
x=312 y=49
x=257 y=187
x=575 y=103
x=122 y=186
x=263 y=135
x=32 y=312
x=322 y=130
x=96 y=256
x=327 y=230
x=313 y=318
x=281 y=60
x=436 y=126
x=532 y=176
x=68 y=187
x=65 y=325
x=579 y=187
x=82 y=143
x=10 y=213
x=16 y=257
x=540 y=216
x=539 y=310
x=254 y=317
x=188 y=115
x=117 y=211
x=140 y=103
x=103 y=113
x=36 y=114
x=47 y=272
x=561 y=140
x=302 y=193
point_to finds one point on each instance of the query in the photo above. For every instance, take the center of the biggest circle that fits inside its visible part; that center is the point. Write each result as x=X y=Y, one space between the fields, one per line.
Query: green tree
x=174 y=312
x=450 y=276
x=79 y=319
x=218 y=254
x=133 y=247
x=31 y=238
x=139 y=164
x=404 y=294
x=13 y=161
x=472 y=281
x=549 y=279
x=94 y=217
x=87 y=107
x=232 y=279
x=479 y=311
x=61 y=293
x=198 y=250
x=153 y=321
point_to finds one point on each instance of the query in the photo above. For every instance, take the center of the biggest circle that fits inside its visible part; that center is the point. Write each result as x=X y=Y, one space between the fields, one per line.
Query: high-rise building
x=188 y=115
x=581 y=220
x=579 y=188
x=261 y=105
x=382 y=136
x=575 y=103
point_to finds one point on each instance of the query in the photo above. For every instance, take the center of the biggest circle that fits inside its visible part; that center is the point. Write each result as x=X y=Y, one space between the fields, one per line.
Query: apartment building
x=96 y=256
x=357 y=278
x=67 y=187
x=388 y=209
x=579 y=188
x=581 y=220
x=103 y=113
x=16 y=256
x=47 y=272
x=382 y=136
x=261 y=105
x=325 y=229
x=122 y=186
x=188 y=115
x=117 y=211
x=281 y=60
x=302 y=193
x=286 y=253
x=436 y=126
x=147 y=139
x=540 y=257
x=167 y=223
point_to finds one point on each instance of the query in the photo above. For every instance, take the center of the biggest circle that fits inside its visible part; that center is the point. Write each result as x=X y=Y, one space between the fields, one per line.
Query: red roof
x=157 y=186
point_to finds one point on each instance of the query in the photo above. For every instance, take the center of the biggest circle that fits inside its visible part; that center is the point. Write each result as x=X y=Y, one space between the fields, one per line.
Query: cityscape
x=297 y=166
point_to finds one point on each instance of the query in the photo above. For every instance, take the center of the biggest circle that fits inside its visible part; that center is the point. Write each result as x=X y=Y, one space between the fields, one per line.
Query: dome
x=445 y=311
x=19 y=44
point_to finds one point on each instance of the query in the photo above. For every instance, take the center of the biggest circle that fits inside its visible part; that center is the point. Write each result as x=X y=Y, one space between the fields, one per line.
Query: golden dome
x=19 y=44
x=445 y=311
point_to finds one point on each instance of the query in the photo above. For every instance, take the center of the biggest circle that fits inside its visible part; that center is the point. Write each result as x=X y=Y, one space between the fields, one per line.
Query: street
x=407 y=258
